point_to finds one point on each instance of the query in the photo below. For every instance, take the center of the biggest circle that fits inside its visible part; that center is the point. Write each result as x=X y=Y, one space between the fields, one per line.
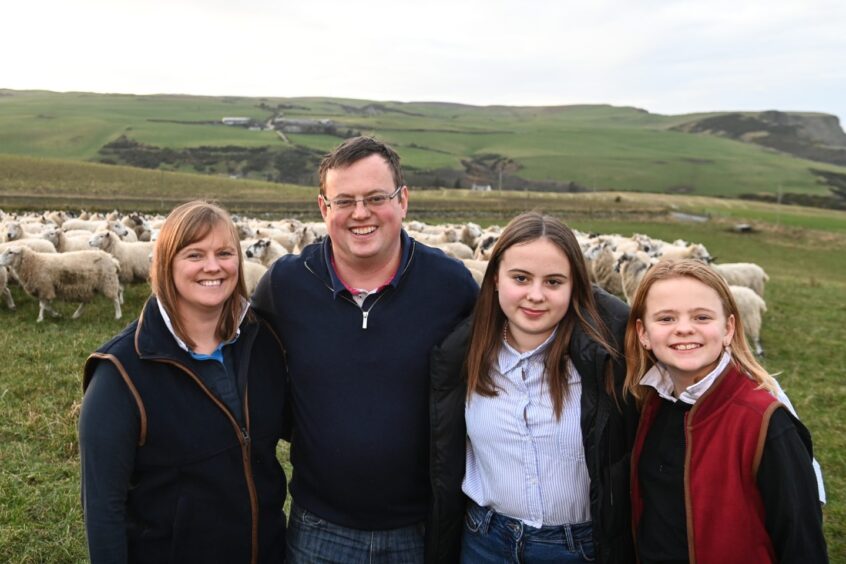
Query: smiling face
x=364 y=237
x=534 y=286
x=205 y=273
x=685 y=327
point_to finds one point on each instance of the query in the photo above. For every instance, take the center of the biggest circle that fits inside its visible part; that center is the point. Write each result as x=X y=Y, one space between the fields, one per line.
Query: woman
x=549 y=432
x=182 y=413
x=721 y=471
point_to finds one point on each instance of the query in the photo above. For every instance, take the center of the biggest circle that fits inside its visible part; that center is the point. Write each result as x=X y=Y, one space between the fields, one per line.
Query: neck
x=367 y=274
x=522 y=342
x=201 y=327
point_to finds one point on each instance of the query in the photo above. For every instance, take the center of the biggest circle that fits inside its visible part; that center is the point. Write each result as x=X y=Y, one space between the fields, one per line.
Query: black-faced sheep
x=70 y=277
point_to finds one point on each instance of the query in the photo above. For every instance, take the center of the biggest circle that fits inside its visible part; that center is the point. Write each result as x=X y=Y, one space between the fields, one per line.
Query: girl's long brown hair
x=185 y=225
x=489 y=320
x=640 y=360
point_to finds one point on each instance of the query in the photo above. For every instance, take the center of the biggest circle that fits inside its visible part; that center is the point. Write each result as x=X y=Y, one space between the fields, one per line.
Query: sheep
x=64 y=242
x=632 y=267
x=693 y=251
x=266 y=251
x=139 y=225
x=39 y=245
x=485 y=246
x=746 y=274
x=752 y=308
x=605 y=273
x=253 y=271
x=133 y=257
x=477 y=268
x=456 y=250
x=76 y=276
x=4 y=288
x=285 y=238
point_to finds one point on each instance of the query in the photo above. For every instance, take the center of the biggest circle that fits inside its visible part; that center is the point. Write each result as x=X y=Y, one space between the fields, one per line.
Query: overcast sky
x=664 y=56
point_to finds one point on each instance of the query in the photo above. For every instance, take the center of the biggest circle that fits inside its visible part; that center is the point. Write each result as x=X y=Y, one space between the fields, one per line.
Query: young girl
x=549 y=434
x=721 y=472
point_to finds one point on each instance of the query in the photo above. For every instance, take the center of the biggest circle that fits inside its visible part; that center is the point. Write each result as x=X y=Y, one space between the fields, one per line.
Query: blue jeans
x=493 y=538
x=312 y=540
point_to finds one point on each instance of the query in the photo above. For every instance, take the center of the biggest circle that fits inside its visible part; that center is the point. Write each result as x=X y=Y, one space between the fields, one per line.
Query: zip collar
x=334 y=282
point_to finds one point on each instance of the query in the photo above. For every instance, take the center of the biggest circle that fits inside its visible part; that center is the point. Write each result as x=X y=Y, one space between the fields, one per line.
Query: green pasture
x=597 y=146
x=801 y=249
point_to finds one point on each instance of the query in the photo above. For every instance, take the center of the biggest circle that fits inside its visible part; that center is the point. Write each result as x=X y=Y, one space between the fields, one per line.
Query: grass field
x=802 y=250
x=601 y=147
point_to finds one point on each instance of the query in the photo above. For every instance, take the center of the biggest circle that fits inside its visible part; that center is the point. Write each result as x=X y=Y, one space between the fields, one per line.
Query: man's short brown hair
x=353 y=150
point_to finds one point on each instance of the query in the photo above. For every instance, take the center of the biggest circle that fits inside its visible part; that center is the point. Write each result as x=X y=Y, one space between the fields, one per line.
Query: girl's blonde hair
x=639 y=360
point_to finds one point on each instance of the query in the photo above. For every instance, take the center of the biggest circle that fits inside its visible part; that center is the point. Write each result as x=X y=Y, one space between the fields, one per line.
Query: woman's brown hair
x=185 y=225
x=640 y=360
x=489 y=320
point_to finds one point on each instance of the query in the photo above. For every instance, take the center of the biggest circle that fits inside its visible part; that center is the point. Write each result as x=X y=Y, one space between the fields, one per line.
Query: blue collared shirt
x=521 y=461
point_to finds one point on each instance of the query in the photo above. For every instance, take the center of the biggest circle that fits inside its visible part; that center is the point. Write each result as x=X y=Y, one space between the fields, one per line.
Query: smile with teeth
x=363 y=230
x=685 y=347
x=210 y=282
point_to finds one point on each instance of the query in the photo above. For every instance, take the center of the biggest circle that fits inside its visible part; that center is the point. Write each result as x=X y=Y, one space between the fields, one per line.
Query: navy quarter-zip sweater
x=360 y=391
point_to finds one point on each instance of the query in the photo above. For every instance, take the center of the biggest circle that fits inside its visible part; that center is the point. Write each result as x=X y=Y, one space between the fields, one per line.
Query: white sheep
x=693 y=251
x=477 y=269
x=72 y=277
x=4 y=288
x=456 y=250
x=266 y=251
x=746 y=274
x=134 y=258
x=39 y=245
x=752 y=308
x=253 y=271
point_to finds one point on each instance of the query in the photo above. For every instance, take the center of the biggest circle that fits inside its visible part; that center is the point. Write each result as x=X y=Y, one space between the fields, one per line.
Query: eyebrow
x=522 y=271
x=696 y=309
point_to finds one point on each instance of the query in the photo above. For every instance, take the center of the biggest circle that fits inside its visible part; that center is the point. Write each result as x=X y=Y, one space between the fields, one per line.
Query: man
x=359 y=315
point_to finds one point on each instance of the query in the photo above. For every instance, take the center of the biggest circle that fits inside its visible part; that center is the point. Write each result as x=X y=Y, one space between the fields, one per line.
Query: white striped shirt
x=521 y=461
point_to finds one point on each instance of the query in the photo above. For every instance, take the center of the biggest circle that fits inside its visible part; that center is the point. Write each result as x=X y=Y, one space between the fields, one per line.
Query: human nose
x=211 y=264
x=683 y=326
x=360 y=210
x=535 y=293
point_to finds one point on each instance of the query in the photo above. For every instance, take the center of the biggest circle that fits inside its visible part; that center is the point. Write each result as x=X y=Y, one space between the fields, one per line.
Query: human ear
x=321 y=203
x=642 y=335
x=729 y=331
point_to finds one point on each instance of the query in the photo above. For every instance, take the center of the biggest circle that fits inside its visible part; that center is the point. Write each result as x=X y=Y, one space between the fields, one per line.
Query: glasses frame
x=331 y=204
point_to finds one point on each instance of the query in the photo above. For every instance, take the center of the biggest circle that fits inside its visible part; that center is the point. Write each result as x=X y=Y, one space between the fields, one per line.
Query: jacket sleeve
x=108 y=433
x=789 y=491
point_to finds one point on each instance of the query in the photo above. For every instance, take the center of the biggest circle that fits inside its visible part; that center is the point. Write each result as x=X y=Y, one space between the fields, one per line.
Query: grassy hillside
x=40 y=384
x=597 y=147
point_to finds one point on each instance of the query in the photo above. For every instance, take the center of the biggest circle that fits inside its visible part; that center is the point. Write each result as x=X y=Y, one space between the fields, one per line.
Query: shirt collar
x=339 y=285
x=509 y=357
x=659 y=378
x=245 y=306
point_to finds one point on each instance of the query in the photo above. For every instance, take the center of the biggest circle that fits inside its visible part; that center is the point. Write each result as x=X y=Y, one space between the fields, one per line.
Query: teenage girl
x=549 y=433
x=721 y=471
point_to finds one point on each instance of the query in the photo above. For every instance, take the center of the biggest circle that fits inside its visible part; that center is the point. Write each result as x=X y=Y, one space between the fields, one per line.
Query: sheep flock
x=617 y=263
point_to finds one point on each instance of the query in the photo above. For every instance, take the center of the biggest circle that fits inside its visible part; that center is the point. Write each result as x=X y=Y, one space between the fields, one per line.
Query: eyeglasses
x=372 y=201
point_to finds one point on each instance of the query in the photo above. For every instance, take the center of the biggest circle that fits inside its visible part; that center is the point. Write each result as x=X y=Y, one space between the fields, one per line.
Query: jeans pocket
x=304 y=517
x=587 y=550
x=473 y=520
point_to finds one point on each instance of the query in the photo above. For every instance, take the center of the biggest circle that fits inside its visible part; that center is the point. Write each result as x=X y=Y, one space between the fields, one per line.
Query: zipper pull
x=246 y=436
x=364 y=315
